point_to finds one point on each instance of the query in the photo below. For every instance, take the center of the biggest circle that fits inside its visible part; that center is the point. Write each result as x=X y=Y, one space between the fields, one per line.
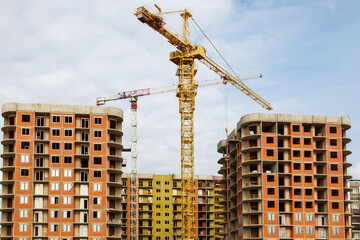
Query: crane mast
x=186 y=94
x=134 y=179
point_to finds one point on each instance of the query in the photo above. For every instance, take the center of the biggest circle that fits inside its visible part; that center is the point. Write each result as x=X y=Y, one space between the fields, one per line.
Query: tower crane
x=184 y=58
x=134 y=179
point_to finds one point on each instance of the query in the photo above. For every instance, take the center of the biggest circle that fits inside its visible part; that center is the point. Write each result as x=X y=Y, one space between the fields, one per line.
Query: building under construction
x=355 y=207
x=160 y=207
x=285 y=177
x=62 y=169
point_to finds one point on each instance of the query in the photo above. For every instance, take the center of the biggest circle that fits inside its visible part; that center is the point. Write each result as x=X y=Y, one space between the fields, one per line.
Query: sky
x=71 y=52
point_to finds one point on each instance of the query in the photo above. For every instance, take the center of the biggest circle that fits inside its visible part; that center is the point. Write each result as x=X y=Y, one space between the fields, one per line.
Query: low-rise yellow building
x=160 y=207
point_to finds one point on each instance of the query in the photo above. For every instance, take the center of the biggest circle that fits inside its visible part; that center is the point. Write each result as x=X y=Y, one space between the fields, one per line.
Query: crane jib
x=133 y=93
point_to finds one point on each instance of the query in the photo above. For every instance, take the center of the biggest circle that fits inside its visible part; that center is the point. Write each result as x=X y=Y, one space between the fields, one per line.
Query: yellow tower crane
x=186 y=91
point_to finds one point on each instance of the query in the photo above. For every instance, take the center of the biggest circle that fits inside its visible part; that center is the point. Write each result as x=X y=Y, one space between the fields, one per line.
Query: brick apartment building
x=160 y=207
x=62 y=169
x=285 y=177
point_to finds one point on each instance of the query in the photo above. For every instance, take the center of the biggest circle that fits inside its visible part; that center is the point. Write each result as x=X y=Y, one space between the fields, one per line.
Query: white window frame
x=336 y=231
x=298 y=217
x=54 y=227
x=98 y=199
x=96 y=228
x=67 y=173
x=271 y=216
x=66 y=227
x=336 y=217
x=67 y=186
x=65 y=213
x=23 y=227
x=52 y=213
x=52 y=200
x=98 y=214
x=54 y=186
x=24 y=213
x=310 y=230
x=298 y=230
x=55 y=172
x=271 y=229
x=309 y=217
x=24 y=185
x=67 y=200
x=97 y=187
x=24 y=199
x=25 y=158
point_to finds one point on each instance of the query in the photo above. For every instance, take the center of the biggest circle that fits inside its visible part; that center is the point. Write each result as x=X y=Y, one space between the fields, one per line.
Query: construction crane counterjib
x=156 y=22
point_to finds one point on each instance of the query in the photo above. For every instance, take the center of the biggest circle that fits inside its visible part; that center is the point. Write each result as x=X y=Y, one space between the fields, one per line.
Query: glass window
x=56 y=132
x=68 y=146
x=97 y=134
x=25 y=131
x=68 y=133
x=55 y=159
x=68 y=159
x=24 y=172
x=68 y=119
x=55 y=119
x=97 y=120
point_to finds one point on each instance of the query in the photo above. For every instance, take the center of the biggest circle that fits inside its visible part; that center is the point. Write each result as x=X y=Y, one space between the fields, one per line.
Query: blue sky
x=70 y=52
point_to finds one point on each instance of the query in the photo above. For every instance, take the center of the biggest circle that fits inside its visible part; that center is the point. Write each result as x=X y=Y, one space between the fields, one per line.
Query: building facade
x=160 y=207
x=355 y=208
x=62 y=170
x=285 y=177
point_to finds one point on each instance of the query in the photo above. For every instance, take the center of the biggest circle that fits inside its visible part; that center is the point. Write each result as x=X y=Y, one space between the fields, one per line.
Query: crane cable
x=226 y=109
x=225 y=85
x=215 y=48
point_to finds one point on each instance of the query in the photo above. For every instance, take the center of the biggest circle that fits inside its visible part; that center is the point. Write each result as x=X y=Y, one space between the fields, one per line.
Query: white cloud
x=355 y=171
x=70 y=52
x=331 y=4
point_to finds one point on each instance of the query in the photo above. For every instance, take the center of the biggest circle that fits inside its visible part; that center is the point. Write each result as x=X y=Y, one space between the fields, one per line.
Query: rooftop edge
x=53 y=108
